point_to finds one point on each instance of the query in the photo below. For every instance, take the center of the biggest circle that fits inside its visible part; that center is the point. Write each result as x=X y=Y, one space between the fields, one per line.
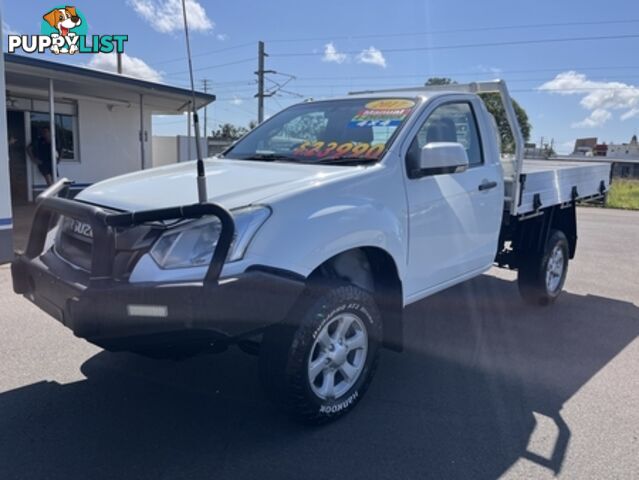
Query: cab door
x=454 y=218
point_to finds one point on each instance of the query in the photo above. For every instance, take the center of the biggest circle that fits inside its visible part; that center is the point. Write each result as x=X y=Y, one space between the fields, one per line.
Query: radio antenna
x=201 y=175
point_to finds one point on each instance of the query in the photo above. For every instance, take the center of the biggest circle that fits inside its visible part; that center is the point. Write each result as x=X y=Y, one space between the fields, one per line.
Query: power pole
x=260 y=81
x=261 y=54
x=205 y=86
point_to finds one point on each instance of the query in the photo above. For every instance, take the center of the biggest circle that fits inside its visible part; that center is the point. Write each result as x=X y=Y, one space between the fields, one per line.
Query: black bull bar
x=104 y=223
x=194 y=315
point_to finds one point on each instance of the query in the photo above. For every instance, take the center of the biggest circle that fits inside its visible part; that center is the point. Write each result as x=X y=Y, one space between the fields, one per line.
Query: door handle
x=486 y=185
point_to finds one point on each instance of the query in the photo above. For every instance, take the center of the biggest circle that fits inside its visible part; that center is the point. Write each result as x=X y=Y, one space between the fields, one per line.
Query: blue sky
x=331 y=47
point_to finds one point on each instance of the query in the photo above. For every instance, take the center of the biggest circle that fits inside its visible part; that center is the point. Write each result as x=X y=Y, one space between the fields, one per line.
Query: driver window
x=452 y=122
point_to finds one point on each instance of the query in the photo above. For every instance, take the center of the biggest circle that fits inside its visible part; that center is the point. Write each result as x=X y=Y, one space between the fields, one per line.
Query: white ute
x=324 y=222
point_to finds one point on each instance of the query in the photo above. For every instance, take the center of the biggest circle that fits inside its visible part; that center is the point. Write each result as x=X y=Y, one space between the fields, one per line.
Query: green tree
x=496 y=108
x=228 y=131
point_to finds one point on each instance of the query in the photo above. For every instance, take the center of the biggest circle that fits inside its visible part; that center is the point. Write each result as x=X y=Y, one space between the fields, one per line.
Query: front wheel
x=541 y=276
x=319 y=363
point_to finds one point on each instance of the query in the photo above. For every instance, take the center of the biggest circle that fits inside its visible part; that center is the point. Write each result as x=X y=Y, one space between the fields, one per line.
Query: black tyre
x=319 y=363
x=541 y=277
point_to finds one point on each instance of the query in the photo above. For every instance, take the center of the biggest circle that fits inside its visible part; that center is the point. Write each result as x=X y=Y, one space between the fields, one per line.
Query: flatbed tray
x=554 y=182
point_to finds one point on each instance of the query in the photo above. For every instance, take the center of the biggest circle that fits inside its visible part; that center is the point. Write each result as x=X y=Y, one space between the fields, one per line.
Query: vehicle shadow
x=479 y=371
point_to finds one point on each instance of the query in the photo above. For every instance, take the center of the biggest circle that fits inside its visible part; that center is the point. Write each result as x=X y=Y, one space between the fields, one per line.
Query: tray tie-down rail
x=104 y=223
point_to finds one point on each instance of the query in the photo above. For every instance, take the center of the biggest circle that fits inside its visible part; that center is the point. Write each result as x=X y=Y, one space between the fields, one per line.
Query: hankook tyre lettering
x=319 y=362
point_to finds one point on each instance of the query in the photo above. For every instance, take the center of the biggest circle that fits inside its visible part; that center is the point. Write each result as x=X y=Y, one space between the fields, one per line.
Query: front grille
x=74 y=245
x=73 y=248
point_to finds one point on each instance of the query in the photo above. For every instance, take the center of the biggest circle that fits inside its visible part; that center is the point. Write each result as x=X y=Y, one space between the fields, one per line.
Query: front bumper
x=118 y=315
x=139 y=317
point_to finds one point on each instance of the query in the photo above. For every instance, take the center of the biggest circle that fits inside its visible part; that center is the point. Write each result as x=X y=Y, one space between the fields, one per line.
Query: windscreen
x=336 y=131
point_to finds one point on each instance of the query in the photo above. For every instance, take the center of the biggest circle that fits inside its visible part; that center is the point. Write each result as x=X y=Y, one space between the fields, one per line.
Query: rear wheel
x=542 y=275
x=320 y=362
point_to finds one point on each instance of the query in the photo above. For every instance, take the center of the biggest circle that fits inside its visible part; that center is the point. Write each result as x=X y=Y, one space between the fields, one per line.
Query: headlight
x=193 y=245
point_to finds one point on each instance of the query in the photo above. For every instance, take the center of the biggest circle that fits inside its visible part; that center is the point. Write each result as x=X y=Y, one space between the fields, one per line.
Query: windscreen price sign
x=64 y=30
x=383 y=113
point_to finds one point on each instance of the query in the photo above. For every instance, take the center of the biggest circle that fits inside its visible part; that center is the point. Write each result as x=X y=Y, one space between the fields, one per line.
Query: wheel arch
x=373 y=269
x=530 y=236
x=565 y=219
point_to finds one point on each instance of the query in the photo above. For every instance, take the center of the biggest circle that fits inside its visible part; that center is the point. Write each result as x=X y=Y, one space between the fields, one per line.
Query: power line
x=467 y=73
x=412 y=49
x=294 y=94
x=323 y=94
x=207 y=52
x=472 y=45
x=399 y=35
x=246 y=88
x=234 y=99
x=342 y=91
x=210 y=67
x=535 y=89
x=456 y=30
x=424 y=77
x=261 y=78
x=241 y=83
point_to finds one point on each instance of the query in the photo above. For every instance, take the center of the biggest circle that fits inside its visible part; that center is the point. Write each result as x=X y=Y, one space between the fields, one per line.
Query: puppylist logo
x=64 y=30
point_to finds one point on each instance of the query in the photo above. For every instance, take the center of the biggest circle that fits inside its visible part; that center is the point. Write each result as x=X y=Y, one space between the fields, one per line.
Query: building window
x=66 y=137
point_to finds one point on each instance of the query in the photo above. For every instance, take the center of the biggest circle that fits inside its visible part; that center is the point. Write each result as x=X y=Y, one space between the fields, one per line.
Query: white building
x=102 y=123
x=625 y=150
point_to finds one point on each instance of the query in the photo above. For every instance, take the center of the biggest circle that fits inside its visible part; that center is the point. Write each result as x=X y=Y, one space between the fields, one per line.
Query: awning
x=29 y=73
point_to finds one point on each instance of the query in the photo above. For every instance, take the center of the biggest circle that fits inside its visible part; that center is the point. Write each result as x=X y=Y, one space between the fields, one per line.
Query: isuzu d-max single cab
x=322 y=224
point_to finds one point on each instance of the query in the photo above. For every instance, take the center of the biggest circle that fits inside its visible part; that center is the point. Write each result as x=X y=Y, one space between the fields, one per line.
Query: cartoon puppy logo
x=63 y=20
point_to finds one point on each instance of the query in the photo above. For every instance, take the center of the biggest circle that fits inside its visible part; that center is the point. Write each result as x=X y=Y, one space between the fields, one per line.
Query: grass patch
x=624 y=194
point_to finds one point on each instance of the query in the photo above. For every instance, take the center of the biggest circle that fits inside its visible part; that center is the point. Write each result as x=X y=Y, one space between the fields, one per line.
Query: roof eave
x=203 y=97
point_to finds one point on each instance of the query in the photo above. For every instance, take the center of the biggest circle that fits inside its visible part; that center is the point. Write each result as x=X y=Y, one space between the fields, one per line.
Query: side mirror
x=442 y=157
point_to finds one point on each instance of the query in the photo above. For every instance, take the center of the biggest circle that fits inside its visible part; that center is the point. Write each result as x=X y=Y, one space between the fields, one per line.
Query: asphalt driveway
x=487 y=387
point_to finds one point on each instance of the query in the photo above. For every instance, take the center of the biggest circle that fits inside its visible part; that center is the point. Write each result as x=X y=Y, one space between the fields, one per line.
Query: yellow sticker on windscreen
x=390 y=104
x=388 y=112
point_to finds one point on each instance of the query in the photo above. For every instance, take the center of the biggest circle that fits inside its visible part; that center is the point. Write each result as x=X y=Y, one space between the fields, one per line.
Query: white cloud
x=166 y=15
x=632 y=113
x=332 y=55
x=600 y=98
x=237 y=100
x=372 y=56
x=131 y=66
x=222 y=37
x=596 y=119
